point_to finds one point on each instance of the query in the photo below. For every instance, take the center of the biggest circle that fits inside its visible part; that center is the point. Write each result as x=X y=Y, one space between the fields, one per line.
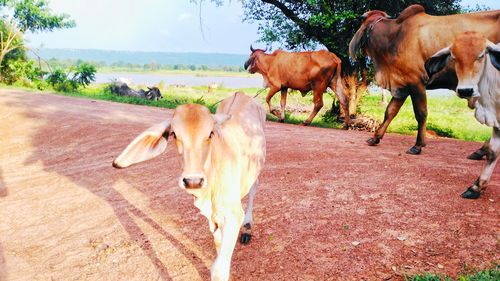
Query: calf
x=477 y=64
x=222 y=157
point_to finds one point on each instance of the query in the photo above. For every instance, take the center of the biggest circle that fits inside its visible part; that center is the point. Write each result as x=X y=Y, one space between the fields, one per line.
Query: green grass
x=486 y=275
x=448 y=116
x=174 y=96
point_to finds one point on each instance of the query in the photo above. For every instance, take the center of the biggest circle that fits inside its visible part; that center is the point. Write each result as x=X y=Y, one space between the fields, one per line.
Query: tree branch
x=304 y=25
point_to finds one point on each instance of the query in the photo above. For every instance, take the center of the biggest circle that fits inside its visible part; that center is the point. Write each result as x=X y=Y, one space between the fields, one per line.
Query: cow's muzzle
x=465 y=93
x=193 y=183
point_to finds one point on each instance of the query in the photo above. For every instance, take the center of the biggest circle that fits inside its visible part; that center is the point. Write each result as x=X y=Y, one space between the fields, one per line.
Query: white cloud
x=184 y=16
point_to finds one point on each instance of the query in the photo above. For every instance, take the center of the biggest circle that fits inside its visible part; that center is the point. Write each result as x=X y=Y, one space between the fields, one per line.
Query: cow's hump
x=410 y=12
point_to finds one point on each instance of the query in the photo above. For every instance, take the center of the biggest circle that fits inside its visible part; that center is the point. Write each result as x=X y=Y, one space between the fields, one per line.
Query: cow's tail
x=339 y=91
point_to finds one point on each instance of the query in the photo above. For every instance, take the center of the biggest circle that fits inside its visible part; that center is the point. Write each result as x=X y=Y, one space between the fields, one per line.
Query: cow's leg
x=480 y=153
x=229 y=231
x=246 y=233
x=217 y=234
x=336 y=86
x=419 y=101
x=474 y=191
x=270 y=95
x=284 y=92
x=318 y=104
x=390 y=112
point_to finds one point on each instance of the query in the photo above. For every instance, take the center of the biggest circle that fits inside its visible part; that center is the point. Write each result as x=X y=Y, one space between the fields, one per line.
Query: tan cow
x=222 y=157
x=477 y=64
x=303 y=71
x=399 y=48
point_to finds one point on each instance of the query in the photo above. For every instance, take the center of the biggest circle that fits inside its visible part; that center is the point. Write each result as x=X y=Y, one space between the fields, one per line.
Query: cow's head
x=193 y=129
x=153 y=93
x=368 y=21
x=252 y=64
x=470 y=52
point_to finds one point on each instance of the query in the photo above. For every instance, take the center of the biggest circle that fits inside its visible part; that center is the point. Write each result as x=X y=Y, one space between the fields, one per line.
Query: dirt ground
x=329 y=207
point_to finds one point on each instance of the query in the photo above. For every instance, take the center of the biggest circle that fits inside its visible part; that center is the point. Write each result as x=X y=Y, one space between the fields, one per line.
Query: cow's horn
x=251 y=48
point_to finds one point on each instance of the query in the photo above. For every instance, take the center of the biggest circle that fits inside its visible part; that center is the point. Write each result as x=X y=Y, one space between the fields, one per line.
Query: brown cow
x=303 y=71
x=477 y=63
x=399 y=48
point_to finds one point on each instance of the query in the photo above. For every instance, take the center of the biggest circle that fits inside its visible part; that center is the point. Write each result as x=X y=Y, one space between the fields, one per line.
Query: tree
x=304 y=24
x=19 y=16
x=299 y=25
x=10 y=39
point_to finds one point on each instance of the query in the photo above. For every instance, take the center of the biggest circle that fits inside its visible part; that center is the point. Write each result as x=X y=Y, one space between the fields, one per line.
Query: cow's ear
x=147 y=145
x=494 y=53
x=356 y=44
x=220 y=118
x=437 y=62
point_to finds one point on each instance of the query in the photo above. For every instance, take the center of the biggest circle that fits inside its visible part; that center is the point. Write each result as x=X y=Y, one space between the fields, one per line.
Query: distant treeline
x=143 y=60
x=152 y=66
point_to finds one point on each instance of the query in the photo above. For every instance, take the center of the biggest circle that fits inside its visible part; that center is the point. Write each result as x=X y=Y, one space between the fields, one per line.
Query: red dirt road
x=66 y=214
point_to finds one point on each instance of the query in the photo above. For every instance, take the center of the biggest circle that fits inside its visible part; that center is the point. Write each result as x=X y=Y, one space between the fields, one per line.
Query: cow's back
x=296 y=70
x=437 y=32
x=420 y=36
x=244 y=133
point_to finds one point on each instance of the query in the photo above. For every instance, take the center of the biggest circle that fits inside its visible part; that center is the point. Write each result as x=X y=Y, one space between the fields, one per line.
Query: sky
x=157 y=26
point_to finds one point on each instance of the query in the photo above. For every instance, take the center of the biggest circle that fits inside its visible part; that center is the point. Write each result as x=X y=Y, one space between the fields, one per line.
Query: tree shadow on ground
x=82 y=150
x=3 y=187
x=3 y=265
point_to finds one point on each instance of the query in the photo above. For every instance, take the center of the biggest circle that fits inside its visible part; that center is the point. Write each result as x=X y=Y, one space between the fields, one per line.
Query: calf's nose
x=192 y=183
x=465 y=92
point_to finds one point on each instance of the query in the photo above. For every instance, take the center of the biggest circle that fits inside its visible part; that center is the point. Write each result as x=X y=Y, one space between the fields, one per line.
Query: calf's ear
x=220 y=118
x=147 y=145
x=494 y=53
x=437 y=62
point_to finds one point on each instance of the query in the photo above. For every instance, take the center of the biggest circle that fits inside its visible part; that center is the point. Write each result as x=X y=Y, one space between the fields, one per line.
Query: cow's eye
x=211 y=134
x=173 y=135
x=480 y=56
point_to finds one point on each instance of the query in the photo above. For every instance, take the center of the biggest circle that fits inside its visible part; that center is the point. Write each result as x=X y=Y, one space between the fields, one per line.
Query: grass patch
x=486 y=275
x=448 y=116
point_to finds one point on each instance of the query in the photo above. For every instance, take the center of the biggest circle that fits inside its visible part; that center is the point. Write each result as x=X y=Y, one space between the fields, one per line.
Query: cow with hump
x=302 y=71
x=477 y=64
x=399 y=48
x=222 y=156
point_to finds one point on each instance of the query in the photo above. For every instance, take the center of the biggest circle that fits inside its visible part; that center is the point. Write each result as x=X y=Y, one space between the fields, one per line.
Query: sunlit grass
x=448 y=116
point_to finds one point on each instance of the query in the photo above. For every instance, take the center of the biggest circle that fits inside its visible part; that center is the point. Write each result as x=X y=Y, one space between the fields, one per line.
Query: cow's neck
x=264 y=63
x=382 y=43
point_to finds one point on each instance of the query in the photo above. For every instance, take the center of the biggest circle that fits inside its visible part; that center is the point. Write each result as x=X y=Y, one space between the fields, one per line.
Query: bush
x=83 y=75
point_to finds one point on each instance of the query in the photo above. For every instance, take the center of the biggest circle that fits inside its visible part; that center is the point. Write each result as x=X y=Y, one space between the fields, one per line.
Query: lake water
x=151 y=79
x=254 y=81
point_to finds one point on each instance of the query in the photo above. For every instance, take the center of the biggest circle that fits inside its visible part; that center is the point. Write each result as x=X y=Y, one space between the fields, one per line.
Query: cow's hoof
x=476 y=155
x=245 y=238
x=306 y=123
x=345 y=127
x=373 y=141
x=470 y=194
x=415 y=150
x=281 y=120
x=276 y=112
